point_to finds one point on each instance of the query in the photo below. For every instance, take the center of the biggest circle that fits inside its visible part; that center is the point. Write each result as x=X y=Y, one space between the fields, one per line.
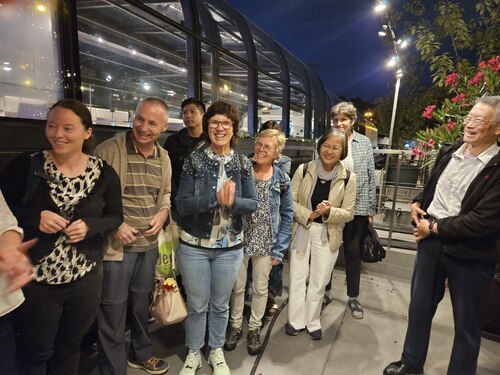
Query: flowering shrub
x=464 y=88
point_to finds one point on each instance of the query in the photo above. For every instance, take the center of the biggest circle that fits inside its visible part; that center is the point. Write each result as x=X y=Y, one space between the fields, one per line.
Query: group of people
x=91 y=222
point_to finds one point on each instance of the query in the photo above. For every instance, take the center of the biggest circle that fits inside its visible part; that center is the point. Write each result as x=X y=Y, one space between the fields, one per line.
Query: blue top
x=197 y=195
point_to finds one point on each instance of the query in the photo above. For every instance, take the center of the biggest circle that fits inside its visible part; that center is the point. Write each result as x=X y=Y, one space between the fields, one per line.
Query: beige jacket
x=342 y=198
x=114 y=152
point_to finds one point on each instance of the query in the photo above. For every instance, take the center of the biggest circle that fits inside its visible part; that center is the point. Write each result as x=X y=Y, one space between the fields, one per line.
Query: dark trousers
x=7 y=346
x=53 y=321
x=354 y=233
x=129 y=282
x=467 y=281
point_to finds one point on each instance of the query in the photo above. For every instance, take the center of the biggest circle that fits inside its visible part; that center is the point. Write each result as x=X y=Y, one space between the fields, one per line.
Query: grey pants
x=128 y=283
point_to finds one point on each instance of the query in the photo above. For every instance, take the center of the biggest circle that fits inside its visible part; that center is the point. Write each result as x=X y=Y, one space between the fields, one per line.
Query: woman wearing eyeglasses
x=324 y=194
x=267 y=235
x=216 y=191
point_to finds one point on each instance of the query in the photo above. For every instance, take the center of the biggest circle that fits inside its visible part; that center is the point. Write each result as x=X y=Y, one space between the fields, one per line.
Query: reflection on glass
x=30 y=78
x=127 y=55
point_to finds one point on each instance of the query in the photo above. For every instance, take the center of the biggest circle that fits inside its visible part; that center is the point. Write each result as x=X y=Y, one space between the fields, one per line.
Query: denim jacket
x=281 y=209
x=197 y=200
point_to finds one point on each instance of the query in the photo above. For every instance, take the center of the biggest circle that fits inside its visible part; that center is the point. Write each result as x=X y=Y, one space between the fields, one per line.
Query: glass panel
x=270 y=94
x=297 y=106
x=170 y=9
x=127 y=55
x=229 y=33
x=267 y=59
x=30 y=76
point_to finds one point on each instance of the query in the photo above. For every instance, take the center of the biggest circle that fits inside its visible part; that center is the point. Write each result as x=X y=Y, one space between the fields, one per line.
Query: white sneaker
x=191 y=364
x=218 y=362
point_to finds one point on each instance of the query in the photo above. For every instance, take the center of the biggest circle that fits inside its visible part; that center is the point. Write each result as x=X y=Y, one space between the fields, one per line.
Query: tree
x=448 y=38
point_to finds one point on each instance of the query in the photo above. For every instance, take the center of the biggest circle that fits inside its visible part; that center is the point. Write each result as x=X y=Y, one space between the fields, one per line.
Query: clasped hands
x=50 y=222
x=322 y=208
x=126 y=234
x=421 y=229
x=225 y=195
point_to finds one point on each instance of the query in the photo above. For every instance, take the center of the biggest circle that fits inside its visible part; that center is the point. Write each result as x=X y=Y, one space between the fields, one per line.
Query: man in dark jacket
x=457 y=221
x=184 y=142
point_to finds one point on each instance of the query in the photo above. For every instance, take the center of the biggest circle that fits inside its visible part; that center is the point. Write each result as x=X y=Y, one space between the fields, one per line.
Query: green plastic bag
x=168 y=239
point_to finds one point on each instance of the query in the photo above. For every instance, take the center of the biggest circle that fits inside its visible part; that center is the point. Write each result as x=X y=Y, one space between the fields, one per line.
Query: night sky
x=336 y=38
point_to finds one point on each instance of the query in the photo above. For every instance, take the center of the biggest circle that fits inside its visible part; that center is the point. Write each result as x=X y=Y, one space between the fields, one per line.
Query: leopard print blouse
x=64 y=264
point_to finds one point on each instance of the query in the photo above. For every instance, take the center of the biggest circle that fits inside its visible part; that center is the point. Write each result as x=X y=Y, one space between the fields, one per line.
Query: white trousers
x=261 y=267
x=317 y=262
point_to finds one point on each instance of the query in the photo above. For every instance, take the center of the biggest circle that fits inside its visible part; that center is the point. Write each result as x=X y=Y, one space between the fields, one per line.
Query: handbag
x=167 y=304
x=371 y=249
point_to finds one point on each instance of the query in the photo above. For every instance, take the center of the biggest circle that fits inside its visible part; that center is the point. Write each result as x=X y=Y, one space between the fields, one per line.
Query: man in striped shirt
x=130 y=257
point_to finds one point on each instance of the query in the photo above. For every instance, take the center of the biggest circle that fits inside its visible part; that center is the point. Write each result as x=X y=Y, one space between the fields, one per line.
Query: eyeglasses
x=266 y=148
x=475 y=121
x=331 y=148
x=225 y=124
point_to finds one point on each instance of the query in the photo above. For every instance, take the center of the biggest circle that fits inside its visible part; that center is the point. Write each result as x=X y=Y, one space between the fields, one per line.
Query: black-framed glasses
x=225 y=124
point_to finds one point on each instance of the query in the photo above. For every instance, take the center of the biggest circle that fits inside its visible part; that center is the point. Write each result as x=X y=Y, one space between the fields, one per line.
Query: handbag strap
x=171 y=225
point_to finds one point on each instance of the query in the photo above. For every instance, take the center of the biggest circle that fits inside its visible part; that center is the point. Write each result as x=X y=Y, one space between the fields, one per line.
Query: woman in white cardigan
x=324 y=195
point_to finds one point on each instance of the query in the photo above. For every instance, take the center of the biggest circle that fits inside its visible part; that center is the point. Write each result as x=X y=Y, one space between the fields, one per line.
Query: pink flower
x=483 y=64
x=428 y=111
x=414 y=151
x=420 y=153
x=458 y=98
x=452 y=79
x=431 y=142
x=451 y=124
x=494 y=62
x=477 y=79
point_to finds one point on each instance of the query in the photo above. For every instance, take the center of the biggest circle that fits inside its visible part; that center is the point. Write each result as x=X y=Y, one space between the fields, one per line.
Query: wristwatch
x=431 y=225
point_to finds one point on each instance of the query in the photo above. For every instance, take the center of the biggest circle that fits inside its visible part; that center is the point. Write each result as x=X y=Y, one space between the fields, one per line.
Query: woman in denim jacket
x=267 y=236
x=216 y=191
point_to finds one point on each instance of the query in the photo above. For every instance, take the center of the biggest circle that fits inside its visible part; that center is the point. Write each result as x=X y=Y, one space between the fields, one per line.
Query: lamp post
x=399 y=75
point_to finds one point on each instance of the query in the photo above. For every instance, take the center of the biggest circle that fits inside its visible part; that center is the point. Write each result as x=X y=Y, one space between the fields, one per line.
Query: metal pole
x=394 y=107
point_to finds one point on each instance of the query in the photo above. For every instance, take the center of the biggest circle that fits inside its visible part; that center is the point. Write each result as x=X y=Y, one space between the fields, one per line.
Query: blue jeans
x=208 y=276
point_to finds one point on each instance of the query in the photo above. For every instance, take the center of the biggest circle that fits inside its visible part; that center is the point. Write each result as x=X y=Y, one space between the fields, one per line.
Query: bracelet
x=431 y=225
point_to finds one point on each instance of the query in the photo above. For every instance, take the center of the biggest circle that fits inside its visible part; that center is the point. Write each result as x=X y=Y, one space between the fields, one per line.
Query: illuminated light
x=381 y=5
x=161 y=62
x=382 y=33
x=7 y=68
x=399 y=73
x=41 y=7
x=6 y=63
x=27 y=82
x=146 y=86
x=405 y=43
x=108 y=78
x=100 y=40
x=392 y=62
x=134 y=52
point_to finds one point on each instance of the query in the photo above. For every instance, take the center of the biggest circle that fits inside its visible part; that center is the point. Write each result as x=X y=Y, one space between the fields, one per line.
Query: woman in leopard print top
x=76 y=202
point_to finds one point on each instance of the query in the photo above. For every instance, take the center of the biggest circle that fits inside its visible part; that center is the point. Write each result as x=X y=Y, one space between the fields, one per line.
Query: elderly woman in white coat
x=324 y=195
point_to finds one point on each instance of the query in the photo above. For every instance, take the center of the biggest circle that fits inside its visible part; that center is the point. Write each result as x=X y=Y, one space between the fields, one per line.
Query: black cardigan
x=473 y=233
x=101 y=210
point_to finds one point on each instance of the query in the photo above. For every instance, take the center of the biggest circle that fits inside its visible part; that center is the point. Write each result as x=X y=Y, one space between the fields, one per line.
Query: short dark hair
x=271 y=124
x=198 y=103
x=79 y=109
x=333 y=132
x=221 y=107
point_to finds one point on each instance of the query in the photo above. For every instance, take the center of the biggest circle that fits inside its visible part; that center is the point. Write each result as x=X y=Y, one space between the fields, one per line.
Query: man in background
x=184 y=142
